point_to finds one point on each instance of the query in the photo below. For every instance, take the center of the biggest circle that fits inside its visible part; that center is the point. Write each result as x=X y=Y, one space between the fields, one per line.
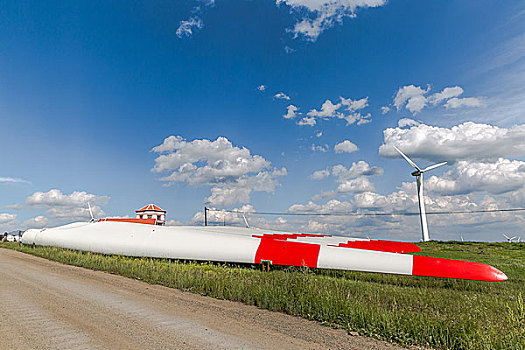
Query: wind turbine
x=91 y=213
x=509 y=239
x=418 y=173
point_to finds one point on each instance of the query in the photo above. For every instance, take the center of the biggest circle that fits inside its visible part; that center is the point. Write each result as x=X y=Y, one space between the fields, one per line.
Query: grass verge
x=439 y=313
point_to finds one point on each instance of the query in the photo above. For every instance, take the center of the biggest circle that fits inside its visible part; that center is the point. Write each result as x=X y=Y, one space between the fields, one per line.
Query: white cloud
x=447 y=93
x=354 y=105
x=385 y=110
x=322 y=15
x=414 y=98
x=467 y=141
x=282 y=96
x=478 y=226
x=498 y=177
x=330 y=110
x=361 y=168
x=65 y=207
x=232 y=172
x=358 y=118
x=345 y=147
x=55 y=197
x=6 y=218
x=320 y=174
x=360 y=184
x=307 y=121
x=404 y=122
x=173 y=223
x=36 y=222
x=354 y=179
x=411 y=97
x=261 y=87
x=13 y=180
x=291 y=112
x=319 y=134
x=187 y=27
x=463 y=102
x=319 y=148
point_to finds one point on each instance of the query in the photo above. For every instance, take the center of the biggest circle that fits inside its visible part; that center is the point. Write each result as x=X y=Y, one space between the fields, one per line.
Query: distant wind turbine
x=418 y=173
x=91 y=213
x=509 y=239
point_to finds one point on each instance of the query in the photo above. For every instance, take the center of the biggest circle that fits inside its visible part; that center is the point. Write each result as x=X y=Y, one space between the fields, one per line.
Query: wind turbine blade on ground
x=406 y=158
x=433 y=167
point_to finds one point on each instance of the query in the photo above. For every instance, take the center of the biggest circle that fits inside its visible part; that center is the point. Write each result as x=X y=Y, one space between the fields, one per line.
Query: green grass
x=432 y=312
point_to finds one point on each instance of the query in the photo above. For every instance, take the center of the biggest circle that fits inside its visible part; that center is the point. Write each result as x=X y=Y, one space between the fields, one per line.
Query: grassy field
x=430 y=312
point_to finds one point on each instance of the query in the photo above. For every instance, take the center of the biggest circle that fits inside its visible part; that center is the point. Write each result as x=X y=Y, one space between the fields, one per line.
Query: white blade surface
x=407 y=159
x=433 y=167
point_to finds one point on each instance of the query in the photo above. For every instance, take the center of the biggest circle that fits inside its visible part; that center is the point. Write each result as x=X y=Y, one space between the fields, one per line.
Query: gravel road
x=47 y=305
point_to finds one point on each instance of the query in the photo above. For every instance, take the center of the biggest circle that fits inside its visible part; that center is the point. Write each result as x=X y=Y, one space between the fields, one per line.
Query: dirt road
x=47 y=305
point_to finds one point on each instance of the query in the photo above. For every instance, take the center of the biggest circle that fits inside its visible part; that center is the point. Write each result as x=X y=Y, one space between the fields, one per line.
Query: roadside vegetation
x=429 y=312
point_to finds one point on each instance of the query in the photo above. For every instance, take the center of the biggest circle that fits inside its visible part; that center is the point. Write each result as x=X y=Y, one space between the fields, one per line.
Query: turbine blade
x=406 y=158
x=507 y=237
x=91 y=212
x=433 y=167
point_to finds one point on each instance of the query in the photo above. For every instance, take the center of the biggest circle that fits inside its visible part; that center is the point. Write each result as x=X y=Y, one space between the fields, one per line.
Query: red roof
x=150 y=207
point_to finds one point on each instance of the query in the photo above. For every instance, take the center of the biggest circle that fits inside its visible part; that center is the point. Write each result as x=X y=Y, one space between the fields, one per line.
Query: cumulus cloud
x=361 y=168
x=307 y=121
x=291 y=113
x=498 y=177
x=447 y=93
x=39 y=221
x=282 y=96
x=65 y=207
x=467 y=141
x=411 y=97
x=6 y=218
x=317 y=16
x=187 y=27
x=414 y=98
x=319 y=148
x=353 y=179
x=404 y=122
x=320 y=174
x=478 y=226
x=232 y=172
x=360 y=184
x=261 y=87
x=345 y=147
x=328 y=110
x=385 y=110
x=346 y=109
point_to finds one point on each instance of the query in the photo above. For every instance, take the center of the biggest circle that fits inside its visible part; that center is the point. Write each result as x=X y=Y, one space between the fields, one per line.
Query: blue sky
x=89 y=89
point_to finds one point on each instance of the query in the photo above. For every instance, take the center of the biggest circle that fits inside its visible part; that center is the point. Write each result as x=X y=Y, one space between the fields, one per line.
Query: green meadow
x=420 y=311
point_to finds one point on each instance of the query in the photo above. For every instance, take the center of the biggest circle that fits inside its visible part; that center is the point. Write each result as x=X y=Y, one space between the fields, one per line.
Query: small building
x=151 y=211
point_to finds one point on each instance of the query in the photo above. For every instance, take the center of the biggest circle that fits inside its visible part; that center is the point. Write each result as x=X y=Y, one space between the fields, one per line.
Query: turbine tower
x=419 y=180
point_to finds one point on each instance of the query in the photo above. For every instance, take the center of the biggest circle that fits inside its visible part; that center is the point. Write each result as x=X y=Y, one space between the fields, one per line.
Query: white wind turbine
x=419 y=180
x=509 y=239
